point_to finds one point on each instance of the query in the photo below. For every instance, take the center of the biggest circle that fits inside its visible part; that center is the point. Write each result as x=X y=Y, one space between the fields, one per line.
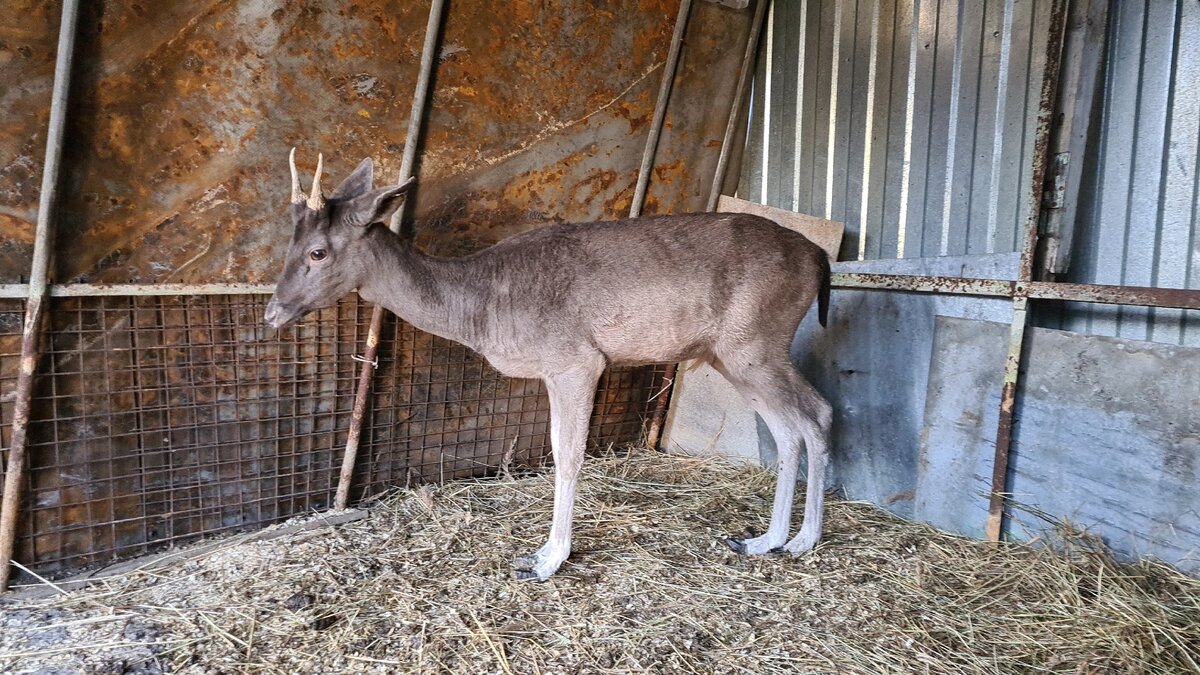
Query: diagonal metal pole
x=739 y=97
x=14 y=473
x=660 y=109
x=654 y=433
x=415 y=118
x=639 y=193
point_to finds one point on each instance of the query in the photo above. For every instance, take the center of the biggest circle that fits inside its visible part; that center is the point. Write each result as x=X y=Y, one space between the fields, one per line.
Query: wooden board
x=824 y=233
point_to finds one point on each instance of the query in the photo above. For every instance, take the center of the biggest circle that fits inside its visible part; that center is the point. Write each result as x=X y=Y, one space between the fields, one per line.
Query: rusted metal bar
x=1016 y=345
x=739 y=94
x=14 y=472
x=140 y=290
x=921 y=284
x=1084 y=43
x=1179 y=298
x=660 y=109
x=415 y=118
x=1144 y=296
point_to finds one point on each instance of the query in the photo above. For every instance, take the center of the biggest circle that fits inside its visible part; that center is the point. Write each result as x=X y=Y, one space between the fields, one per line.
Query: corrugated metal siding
x=1140 y=196
x=910 y=120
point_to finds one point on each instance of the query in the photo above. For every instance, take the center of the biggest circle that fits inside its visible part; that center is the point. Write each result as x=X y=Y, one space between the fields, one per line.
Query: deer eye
x=318 y=254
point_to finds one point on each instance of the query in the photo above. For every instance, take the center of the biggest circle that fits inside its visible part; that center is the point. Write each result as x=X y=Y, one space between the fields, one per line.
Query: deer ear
x=358 y=183
x=376 y=206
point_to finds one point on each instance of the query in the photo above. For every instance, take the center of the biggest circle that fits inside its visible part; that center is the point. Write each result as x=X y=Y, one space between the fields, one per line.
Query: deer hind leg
x=795 y=413
x=818 y=419
x=571 y=396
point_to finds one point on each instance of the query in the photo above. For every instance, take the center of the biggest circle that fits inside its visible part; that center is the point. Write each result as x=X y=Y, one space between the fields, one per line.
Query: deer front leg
x=571 y=397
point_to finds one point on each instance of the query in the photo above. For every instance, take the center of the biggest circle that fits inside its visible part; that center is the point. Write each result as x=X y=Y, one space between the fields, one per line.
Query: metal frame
x=1144 y=296
x=36 y=290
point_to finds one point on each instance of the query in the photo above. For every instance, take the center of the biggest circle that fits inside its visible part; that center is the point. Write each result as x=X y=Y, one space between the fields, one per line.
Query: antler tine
x=297 y=196
x=315 y=199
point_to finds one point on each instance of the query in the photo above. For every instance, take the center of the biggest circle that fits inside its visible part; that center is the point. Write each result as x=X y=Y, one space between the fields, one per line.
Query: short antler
x=297 y=197
x=315 y=200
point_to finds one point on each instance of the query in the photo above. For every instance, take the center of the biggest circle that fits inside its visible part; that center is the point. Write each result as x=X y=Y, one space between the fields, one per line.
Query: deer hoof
x=738 y=544
x=803 y=543
x=540 y=565
x=751 y=545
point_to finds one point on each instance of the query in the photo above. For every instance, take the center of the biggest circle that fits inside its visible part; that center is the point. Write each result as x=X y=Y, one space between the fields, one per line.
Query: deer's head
x=329 y=253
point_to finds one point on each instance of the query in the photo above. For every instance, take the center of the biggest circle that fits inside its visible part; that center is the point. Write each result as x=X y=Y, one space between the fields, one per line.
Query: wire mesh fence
x=12 y=313
x=160 y=420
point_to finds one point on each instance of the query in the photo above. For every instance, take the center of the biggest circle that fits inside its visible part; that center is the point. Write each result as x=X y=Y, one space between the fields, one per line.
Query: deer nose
x=271 y=316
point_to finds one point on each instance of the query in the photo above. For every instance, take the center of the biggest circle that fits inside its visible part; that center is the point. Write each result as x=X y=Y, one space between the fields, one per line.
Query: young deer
x=562 y=302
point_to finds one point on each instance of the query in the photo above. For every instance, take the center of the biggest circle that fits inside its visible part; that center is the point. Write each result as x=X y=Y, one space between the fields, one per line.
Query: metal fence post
x=38 y=282
x=415 y=118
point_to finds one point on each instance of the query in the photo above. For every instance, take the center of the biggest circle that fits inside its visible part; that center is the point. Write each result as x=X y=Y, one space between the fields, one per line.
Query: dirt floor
x=423 y=584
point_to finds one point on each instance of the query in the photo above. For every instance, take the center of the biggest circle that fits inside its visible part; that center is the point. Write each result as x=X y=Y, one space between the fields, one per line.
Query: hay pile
x=424 y=584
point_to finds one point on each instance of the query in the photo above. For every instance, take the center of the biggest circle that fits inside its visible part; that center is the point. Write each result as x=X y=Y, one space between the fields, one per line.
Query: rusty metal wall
x=12 y=313
x=181 y=116
x=159 y=420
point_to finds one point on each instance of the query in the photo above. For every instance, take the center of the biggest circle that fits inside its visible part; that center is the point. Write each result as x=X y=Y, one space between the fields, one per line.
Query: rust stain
x=183 y=113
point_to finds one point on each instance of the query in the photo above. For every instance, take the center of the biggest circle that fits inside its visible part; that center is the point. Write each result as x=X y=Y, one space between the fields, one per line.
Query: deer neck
x=423 y=290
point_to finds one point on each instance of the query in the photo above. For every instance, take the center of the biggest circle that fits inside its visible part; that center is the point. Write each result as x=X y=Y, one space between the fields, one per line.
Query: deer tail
x=823 y=293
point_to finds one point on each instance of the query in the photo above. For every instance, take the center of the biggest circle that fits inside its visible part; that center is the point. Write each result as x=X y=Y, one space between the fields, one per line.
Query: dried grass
x=424 y=585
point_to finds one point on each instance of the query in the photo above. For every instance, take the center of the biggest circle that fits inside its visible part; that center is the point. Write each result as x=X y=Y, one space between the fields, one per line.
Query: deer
x=564 y=301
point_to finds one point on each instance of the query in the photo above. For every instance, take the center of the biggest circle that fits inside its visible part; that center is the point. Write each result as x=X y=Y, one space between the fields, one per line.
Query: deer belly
x=516 y=365
x=659 y=343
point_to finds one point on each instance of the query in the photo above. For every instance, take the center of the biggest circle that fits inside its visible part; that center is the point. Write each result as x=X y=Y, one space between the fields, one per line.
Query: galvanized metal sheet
x=1084 y=397
x=1139 y=201
x=912 y=122
x=872 y=363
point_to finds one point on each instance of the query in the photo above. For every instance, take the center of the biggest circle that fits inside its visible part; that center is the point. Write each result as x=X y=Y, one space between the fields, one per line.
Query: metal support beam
x=660 y=109
x=1012 y=364
x=14 y=474
x=1082 y=57
x=735 y=107
x=138 y=290
x=1142 y=296
x=415 y=118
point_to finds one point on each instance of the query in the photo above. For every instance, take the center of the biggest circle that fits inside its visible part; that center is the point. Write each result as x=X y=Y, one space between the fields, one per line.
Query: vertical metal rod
x=654 y=433
x=739 y=95
x=660 y=109
x=1016 y=344
x=38 y=281
x=415 y=118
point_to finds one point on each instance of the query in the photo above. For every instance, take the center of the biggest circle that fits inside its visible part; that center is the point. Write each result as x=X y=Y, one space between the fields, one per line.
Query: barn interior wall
x=1139 y=205
x=158 y=420
x=182 y=115
x=912 y=122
